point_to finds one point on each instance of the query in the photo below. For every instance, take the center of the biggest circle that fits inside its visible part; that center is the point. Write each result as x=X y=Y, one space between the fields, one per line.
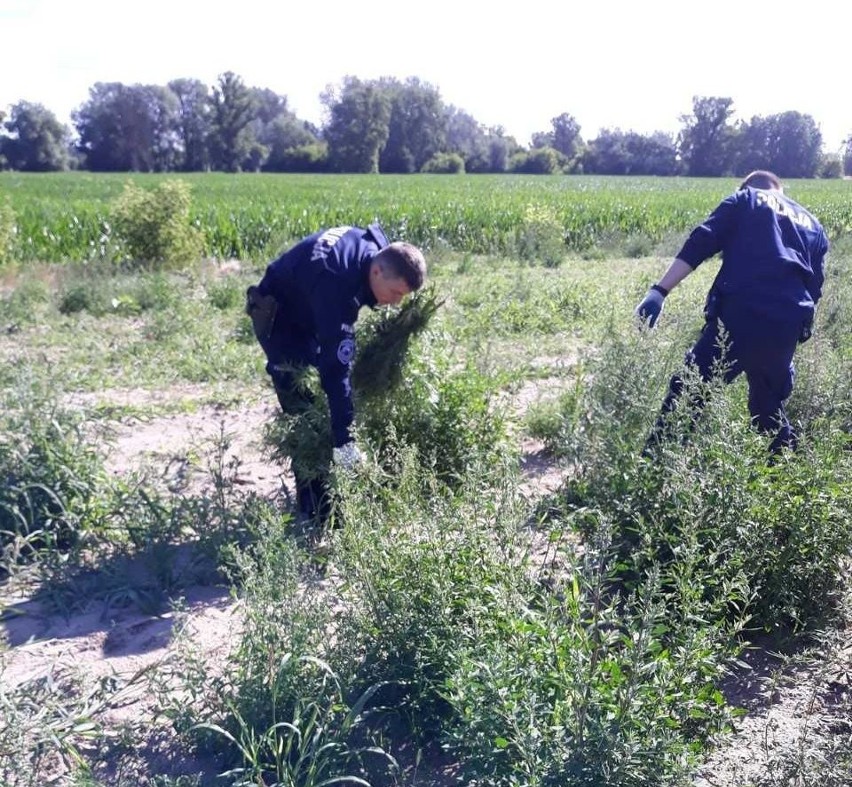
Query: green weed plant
x=155 y=225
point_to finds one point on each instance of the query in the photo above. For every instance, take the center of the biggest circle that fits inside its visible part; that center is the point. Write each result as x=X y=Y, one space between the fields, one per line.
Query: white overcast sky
x=609 y=63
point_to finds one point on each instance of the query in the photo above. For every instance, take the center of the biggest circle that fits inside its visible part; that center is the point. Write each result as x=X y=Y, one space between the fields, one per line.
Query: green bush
x=541 y=238
x=157 y=292
x=50 y=477
x=84 y=297
x=442 y=409
x=25 y=303
x=226 y=294
x=423 y=566
x=711 y=492
x=7 y=232
x=303 y=158
x=154 y=225
x=538 y=161
x=586 y=685
x=444 y=164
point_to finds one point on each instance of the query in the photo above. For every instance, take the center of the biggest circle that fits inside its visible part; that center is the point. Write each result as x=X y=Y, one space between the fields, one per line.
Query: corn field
x=67 y=217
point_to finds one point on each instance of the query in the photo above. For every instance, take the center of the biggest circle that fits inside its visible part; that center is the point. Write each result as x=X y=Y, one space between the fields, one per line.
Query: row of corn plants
x=68 y=216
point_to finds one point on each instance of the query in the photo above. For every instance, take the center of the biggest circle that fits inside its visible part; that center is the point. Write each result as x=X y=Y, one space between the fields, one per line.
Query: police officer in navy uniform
x=304 y=312
x=764 y=295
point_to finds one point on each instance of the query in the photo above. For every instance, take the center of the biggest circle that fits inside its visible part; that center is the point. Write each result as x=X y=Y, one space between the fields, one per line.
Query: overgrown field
x=464 y=624
x=63 y=217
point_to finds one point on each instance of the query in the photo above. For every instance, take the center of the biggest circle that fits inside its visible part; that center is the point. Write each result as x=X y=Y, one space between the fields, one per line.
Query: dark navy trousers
x=289 y=351
x=758 y=346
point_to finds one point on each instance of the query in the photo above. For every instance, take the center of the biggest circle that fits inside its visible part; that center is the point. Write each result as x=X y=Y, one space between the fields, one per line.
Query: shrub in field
x=49 y=477
x=156 y=292
x=587 y=685
x=777 y=525
x=278 y=708
x=7 y=232
x=423 y=565
x=226 y=294
x=84 y=298
x=98 y=291
x=444 y=164
x=447 y=414
x=384 y=343
x=25 y=304
x=571 y=681
x=406 y=393
x=638 y=246
x=823 y=370
x=155 y=225
x=540 y=237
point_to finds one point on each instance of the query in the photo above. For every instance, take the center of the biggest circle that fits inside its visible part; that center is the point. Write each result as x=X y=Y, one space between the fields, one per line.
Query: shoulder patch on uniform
x=346 y=351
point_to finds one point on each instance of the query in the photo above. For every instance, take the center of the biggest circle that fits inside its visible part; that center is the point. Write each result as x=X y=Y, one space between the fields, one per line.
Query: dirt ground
x=120 y=641
x=105 y=639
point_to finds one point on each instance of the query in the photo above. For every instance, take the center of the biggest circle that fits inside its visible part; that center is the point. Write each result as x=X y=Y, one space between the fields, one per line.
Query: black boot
x=314 y=500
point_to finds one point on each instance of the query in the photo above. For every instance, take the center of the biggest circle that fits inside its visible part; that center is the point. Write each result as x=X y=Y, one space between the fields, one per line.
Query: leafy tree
x=501 y=149
x=37 y=141
x=278 y=132
x=607 y=153
x=416 y=126
x=564 y=136
x=468 y=138
x=128 y=128
x=165 y=135
x=616 y=152
x=847 y=156
x=789 y=144
x=358 y=125
x=285 y=135
x=193 y=122
x=538 y=161
x=444 y=164
x=706 y=138
x=233 y=145
x=312 y=157
x=269 y=105
x=653 y=154
x=831 y=166
x=541 y=139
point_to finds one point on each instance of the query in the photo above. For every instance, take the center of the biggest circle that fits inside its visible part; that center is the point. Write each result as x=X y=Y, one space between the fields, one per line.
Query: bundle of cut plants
x=305 y=435
x=384 y=343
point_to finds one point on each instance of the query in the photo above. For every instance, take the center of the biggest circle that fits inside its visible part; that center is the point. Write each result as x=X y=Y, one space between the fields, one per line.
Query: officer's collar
x=365 y=296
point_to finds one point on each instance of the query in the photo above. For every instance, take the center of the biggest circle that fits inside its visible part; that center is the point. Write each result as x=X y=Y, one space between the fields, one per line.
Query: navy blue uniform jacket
x=772 y=249
x=320 y=285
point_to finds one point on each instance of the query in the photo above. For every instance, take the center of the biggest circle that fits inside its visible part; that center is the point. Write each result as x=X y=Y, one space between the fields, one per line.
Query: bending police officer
x=304 y=312
x=764 y=295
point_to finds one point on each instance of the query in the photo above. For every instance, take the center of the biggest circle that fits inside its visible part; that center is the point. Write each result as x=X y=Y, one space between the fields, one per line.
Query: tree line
x=385 y=125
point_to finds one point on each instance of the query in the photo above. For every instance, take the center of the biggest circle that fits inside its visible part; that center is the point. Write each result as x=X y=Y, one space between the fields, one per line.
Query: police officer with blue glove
x=765 y=294
x=304 y=311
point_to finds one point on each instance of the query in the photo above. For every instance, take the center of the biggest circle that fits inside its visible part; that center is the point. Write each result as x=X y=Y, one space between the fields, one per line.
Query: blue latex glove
x=651 y=306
